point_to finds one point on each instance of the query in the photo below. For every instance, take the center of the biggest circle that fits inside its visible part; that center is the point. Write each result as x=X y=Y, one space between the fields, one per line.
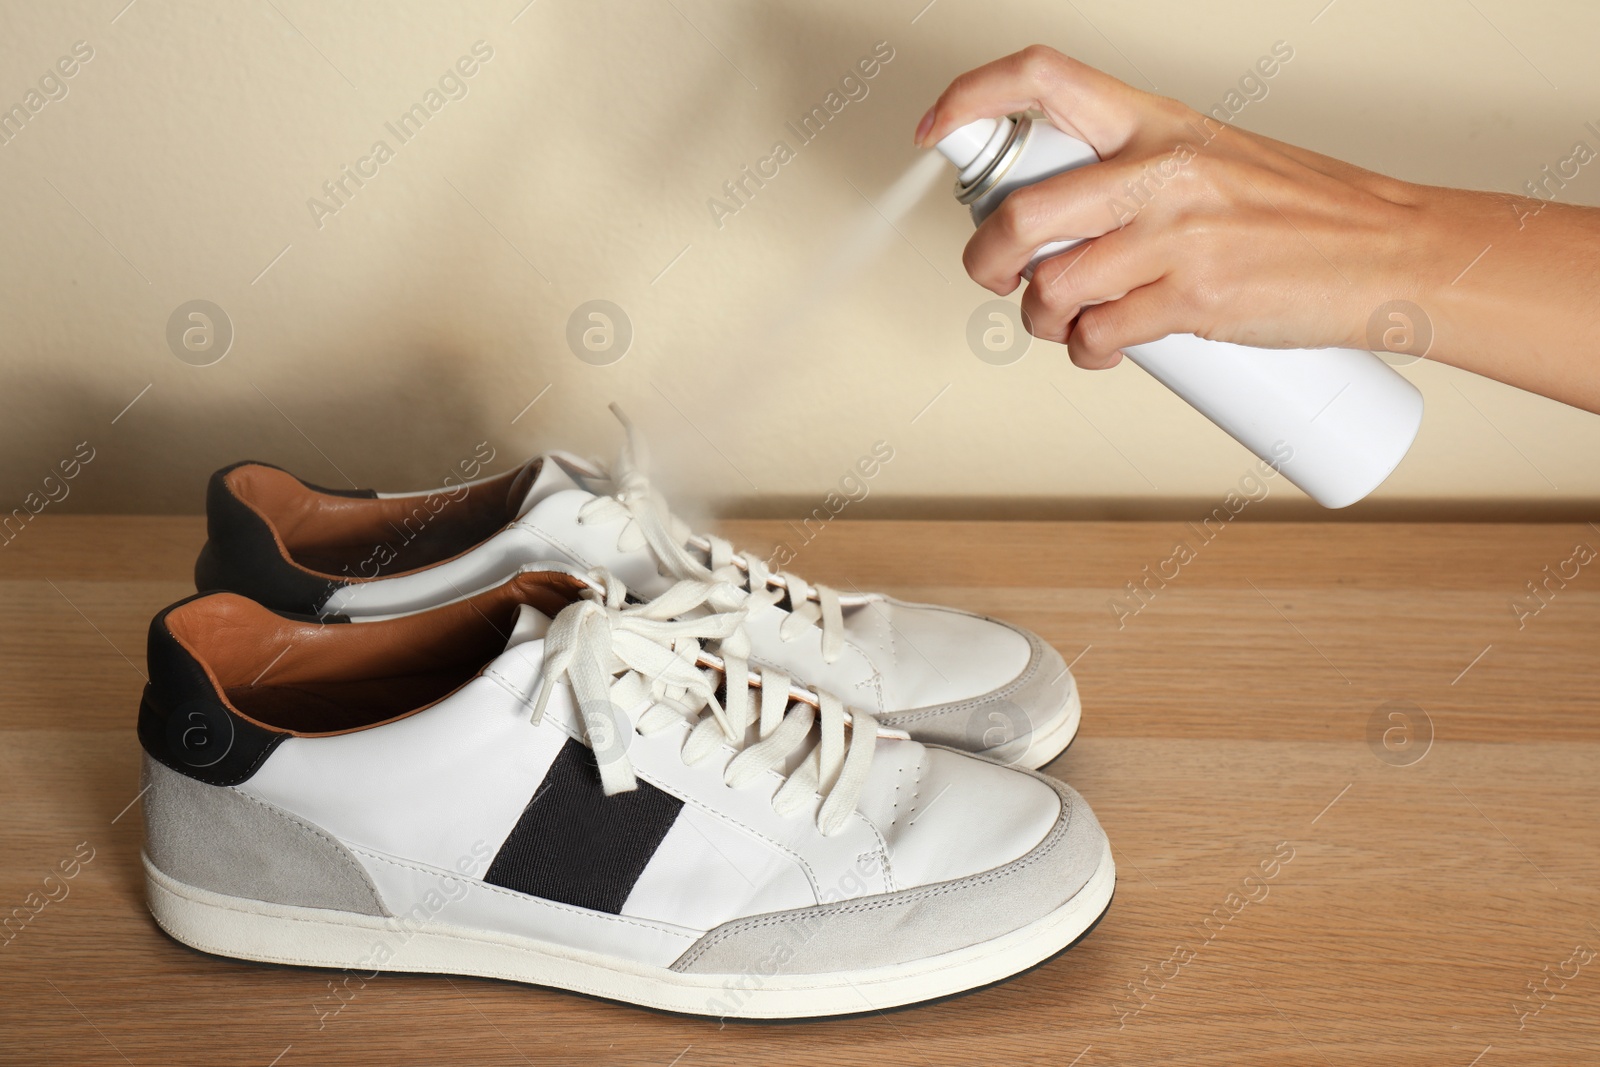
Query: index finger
x=1086 y=103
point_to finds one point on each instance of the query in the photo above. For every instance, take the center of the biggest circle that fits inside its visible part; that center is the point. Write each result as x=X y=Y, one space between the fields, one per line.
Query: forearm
x=1511 y=288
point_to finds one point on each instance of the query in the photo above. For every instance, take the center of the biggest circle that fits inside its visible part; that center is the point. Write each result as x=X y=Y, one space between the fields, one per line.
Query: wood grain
x=1226 y=721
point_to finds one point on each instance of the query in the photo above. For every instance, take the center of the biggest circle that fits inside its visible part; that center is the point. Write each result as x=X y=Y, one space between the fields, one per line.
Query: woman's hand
x=1199 y=227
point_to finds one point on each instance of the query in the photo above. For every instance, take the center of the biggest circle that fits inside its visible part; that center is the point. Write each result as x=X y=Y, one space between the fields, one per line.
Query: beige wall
x=381 y=343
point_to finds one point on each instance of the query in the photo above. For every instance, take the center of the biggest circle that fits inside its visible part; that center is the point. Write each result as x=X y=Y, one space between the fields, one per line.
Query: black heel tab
x=184 y=721
x=242 y=553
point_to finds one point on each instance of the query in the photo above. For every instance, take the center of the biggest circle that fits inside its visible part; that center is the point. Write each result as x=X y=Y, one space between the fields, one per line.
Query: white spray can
x=1334 y=421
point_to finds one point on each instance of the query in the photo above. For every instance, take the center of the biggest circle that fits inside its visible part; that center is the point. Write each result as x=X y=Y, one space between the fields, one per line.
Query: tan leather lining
x=361 y=538
x=315 y=679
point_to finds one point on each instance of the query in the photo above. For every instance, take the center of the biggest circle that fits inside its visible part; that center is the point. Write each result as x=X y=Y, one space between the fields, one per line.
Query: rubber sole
x=312 y=937
x=1046 y=744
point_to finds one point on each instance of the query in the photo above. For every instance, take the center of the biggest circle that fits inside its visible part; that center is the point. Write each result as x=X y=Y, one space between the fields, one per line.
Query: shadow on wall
x=152 y=452
x=421 y=411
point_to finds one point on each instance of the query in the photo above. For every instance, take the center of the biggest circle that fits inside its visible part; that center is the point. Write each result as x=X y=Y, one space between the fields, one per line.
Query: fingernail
x=924 y=126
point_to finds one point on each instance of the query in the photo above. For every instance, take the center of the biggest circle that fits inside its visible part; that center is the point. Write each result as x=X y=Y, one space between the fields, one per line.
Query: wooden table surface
x=1273 y=699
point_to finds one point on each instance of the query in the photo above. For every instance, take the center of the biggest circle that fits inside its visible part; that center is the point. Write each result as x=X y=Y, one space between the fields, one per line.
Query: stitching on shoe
x=1021 y=681
x=874 y=687
x=721 y=816
x=894 y=653
x=478 y=883
x=904 y=898
x=339 y=849
x=527 y=526
x=255 y=764
x=716 y=813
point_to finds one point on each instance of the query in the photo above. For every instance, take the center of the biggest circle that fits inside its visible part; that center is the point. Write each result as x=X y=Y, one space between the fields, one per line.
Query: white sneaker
x=545 y=784
x=944 y=676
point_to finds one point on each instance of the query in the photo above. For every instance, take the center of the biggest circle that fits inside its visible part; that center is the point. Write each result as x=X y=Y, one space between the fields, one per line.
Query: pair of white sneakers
x=532 y=727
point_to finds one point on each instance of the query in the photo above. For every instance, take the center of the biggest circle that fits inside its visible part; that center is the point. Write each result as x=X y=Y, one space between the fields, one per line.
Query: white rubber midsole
x=1042 y=746
x=279 y=933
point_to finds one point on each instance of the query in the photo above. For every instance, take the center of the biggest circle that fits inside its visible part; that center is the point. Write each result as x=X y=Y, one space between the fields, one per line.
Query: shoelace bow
x=617 y=656
x=743 y=574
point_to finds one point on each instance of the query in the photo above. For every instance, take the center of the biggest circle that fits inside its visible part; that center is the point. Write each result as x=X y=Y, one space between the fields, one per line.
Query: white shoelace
x=744 y=574
x=619 y=656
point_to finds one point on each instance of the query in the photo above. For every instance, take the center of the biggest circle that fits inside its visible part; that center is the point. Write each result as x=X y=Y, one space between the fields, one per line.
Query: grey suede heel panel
x=1015 y=710
x=217 y=838
x=880 y=931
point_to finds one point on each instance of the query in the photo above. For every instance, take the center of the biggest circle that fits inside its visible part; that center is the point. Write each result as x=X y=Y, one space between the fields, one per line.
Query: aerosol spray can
x=1334 y=421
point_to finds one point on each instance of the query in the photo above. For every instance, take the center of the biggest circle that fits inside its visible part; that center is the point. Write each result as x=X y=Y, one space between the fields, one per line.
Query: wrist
x=1448 y=235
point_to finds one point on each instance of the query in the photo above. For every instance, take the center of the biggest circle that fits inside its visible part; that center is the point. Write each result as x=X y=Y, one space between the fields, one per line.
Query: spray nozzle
x=974 y=146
